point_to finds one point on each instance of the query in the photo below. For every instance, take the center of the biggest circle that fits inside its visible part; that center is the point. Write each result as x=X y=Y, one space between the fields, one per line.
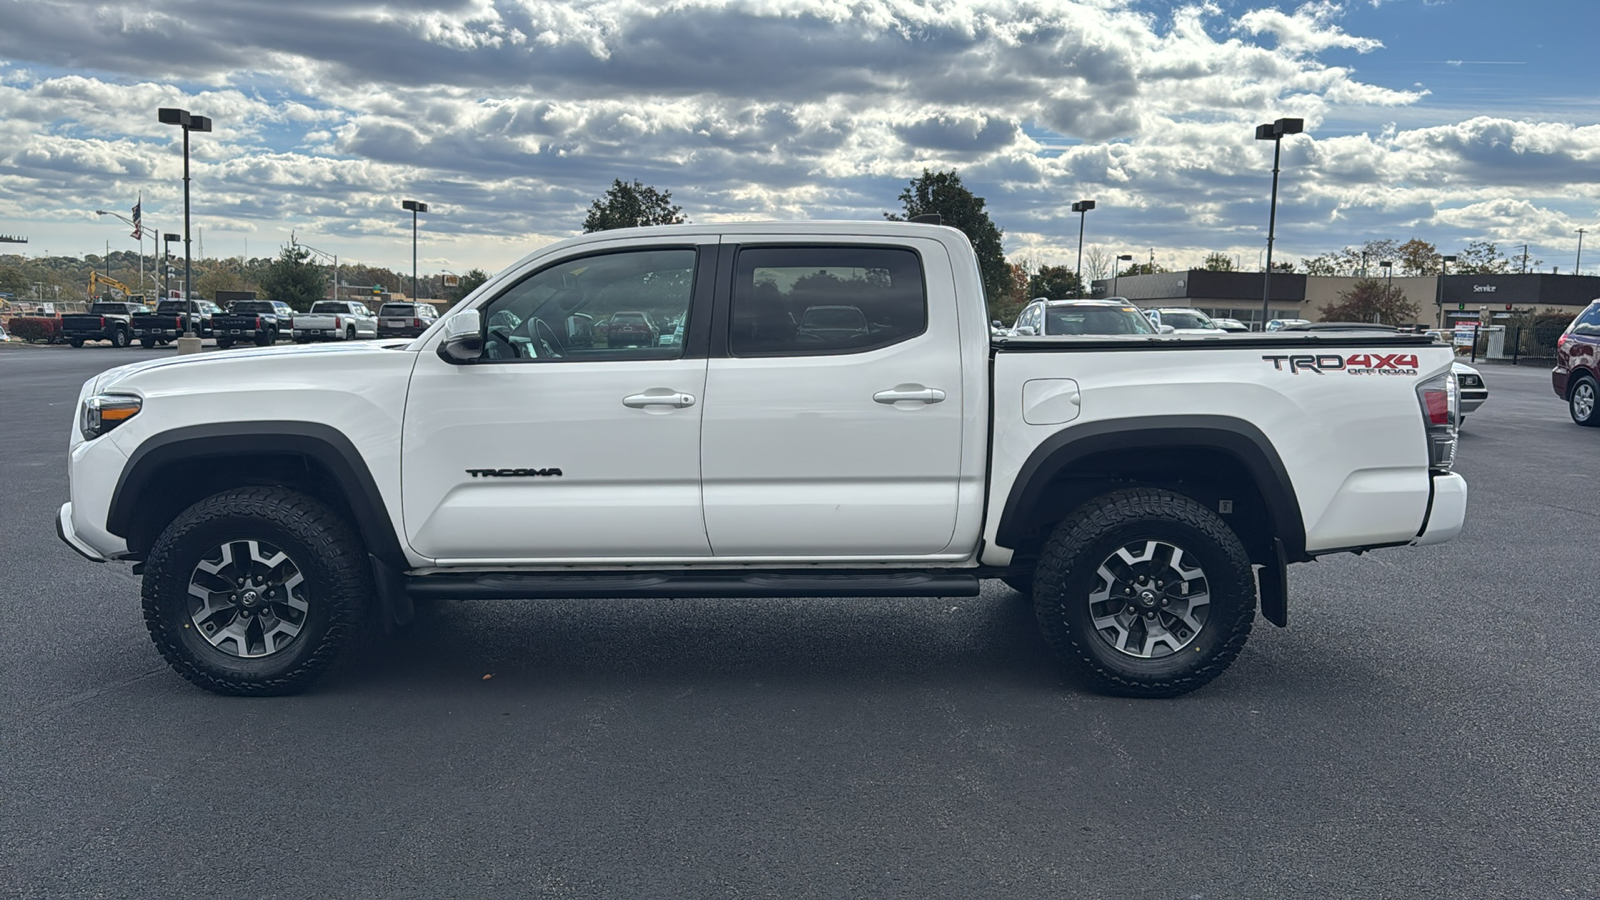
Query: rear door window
x=1589 y=321
x=799 y=301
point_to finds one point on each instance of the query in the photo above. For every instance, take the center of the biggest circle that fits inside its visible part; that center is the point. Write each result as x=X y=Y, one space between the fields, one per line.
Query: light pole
x=1274 y=132
x=1444 y=261
x=1082 y=208
x=190 y=342
x=415 y=208
x=1116 y=272
x=1577 y=268
x=1388 y=271
x=325 y=255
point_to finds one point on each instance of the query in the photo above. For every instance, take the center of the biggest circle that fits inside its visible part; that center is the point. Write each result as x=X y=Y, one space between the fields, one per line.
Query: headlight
x=103 y=412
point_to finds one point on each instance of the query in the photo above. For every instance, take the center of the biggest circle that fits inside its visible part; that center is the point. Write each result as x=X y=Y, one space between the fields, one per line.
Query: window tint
x=398 y=309
x=609 y=306
x=807 y=300
x=1589 y=322
x=1186 y=320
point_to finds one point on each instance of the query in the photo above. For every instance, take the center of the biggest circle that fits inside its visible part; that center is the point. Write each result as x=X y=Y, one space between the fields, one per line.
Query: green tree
x=1143 y=268
x=1481 y=258
x=631 y=206
x=470 y=282
x=943 y=193
x=219 y=279
x=1054 y=282
x=1369 y=297
x=13 y=282
x=293 y=279
x=1218 y=262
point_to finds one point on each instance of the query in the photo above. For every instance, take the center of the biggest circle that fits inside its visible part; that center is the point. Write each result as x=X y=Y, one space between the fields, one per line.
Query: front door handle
x=909 y=392
x=658 y=397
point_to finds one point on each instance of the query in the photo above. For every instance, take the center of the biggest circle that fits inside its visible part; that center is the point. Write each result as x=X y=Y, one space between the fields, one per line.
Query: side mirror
x=1166 y=329
x=1025 y=329
x=463 y=338
x=995 y=323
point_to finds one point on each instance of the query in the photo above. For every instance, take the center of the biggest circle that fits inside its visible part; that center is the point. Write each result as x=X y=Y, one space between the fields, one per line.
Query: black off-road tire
x=147 y=343
x=350 y=332
x=265 y=338
x=1066 y=576
x=120 y=337
x=224 y=343
x=76 y=342
x=1574 y=401
x=338 y=588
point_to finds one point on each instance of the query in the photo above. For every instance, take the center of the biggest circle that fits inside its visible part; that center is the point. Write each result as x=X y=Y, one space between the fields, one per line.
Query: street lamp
x=1388 y=270
x=1116 y=272
x=415 y=208
x=190 y=342
x=1577 y=269
x=1082 y=208
x=1274 y=132
x=166 y=260
x=325 y=255
x=1439 y=300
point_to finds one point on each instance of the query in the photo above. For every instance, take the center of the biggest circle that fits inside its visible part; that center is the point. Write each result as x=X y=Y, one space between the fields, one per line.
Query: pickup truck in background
x=170 y=320
x=335 y=320
x=103 y=322
x=1147 y=492
x=261 y=322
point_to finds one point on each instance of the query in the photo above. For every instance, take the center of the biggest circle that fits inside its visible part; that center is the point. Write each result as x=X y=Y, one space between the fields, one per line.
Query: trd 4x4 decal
x=1355 y=364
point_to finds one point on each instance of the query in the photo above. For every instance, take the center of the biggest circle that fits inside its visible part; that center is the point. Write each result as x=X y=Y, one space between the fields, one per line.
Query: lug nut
x=1164 y=601
x=1150 y=615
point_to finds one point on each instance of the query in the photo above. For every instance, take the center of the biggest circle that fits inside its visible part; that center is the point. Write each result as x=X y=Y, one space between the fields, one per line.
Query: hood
x=206 y=361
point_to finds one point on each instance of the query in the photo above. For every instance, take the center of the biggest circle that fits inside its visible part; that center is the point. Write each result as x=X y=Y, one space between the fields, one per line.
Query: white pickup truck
x=1144 y=490
x=334 y=320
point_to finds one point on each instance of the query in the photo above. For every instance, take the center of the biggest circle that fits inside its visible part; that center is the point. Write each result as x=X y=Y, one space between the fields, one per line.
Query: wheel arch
x=172 y=470
x=1207 y=457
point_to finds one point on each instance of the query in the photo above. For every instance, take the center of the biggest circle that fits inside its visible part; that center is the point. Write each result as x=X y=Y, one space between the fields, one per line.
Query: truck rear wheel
x=254 y=591
x=76 y=342
x=265 y=338
x=1145 y=593
x=120 y=337
x=224 y=343
x=147 y=343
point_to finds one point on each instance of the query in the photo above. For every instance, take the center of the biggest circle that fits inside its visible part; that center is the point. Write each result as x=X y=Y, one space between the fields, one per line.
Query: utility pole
x=1577 y=269
x=1524 y=259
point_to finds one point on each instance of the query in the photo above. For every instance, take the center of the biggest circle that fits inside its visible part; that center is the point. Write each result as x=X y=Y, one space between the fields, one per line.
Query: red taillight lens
x=416 y=323
x=338 y=322
x=102 y=321
x=258 y=323
x=1561 y=341
x=1438 y=406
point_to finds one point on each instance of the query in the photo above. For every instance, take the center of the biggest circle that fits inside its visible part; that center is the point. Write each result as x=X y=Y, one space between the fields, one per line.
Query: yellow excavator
x=96 y=279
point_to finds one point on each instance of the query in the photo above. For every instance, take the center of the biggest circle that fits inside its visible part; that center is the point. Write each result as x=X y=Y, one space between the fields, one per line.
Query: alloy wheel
x=1150 y=599
x=247 y=599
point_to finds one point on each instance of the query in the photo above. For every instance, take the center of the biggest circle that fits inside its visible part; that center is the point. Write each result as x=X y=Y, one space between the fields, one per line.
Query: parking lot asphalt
x=1426 y=727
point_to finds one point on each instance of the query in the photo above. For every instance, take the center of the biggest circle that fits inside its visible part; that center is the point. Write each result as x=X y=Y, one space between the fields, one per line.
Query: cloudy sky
x=1451 y=120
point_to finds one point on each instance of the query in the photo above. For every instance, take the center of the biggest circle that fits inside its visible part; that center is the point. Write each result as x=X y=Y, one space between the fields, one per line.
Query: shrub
x=36 y=329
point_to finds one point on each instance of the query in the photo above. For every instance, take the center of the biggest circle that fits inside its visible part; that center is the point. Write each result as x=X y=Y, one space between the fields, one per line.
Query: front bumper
x=1447 y=511
x=64 y=530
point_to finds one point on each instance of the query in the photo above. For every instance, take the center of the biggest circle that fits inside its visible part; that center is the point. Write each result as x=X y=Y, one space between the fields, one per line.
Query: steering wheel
x=545 y=337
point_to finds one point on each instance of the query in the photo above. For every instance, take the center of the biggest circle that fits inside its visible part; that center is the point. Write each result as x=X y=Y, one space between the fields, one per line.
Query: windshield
x=1096 y=320
x=1186 y=319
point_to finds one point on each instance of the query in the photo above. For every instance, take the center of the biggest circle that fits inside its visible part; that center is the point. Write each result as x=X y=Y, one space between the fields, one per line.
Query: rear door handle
x=909 y=392
x=658 y=397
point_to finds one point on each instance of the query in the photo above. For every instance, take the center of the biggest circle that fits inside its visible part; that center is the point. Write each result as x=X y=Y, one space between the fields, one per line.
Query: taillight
x=1561 y=341
x=258 y=323
x=338 y=323
x=1438 y=397
x=416 y=323
x=102 y=321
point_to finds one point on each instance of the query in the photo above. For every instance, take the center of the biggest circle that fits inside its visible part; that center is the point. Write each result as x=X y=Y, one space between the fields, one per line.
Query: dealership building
x=1237 y=295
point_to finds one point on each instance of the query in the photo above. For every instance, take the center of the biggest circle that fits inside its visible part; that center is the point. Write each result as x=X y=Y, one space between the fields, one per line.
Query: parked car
x=1232 y=326
x=261 y=322
x=1081 y=317
x=1147 y=495
x=405 y=319
x=1280 y=324
x=170 y=321
x=334 y=320
x=632 y=329
x=1578 y=366
x=1469 y=383
x=1184 y=320
x=830 y=324
x=111 y=322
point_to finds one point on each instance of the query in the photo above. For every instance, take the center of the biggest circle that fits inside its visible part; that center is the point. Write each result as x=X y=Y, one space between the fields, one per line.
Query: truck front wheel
x=254 y=591
x=1145 y=593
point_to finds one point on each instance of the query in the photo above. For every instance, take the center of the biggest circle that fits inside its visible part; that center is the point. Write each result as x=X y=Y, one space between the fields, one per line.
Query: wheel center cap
x=250 y=598
x=1147 y=598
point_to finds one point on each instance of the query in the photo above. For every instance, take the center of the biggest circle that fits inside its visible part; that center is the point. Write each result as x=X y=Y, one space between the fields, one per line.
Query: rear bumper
x=1558 y=381
x=1447 y=511
x=1472 y=398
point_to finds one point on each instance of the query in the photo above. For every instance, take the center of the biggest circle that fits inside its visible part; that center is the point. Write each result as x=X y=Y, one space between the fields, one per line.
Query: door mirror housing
x=1166 y=329
x=1025 y=329
x=463 y=338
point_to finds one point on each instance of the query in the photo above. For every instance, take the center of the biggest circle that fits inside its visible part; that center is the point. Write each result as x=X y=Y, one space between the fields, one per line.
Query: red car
x=1576 y=377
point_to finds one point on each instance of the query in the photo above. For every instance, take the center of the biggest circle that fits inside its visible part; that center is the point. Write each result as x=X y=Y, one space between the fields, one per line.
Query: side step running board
x=535 y=586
